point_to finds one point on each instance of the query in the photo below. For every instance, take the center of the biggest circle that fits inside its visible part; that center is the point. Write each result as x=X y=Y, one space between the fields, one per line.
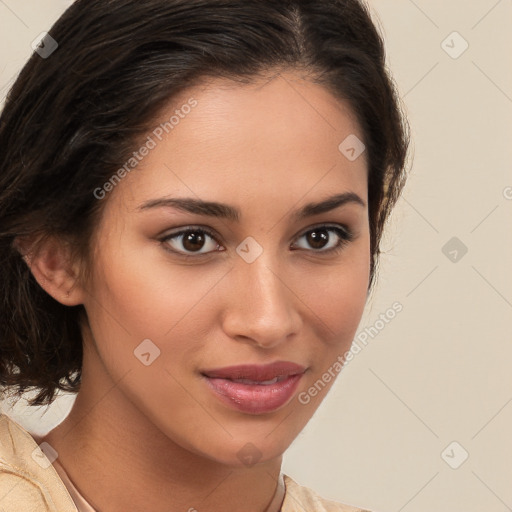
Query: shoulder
x=299 y=498
x=28 y=480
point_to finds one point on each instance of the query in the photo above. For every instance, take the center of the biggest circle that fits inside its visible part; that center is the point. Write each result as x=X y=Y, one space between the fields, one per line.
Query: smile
x=254 y=389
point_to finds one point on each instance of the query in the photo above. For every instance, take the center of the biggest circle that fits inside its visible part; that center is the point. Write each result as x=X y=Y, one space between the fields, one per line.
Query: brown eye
x=320 y=239
x=190 y=241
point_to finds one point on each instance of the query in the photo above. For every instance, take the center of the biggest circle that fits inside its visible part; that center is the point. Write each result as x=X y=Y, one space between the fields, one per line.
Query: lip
x=255 y=389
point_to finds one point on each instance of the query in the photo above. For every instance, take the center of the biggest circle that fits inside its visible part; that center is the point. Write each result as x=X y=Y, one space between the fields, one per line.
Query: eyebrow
x=225 y=211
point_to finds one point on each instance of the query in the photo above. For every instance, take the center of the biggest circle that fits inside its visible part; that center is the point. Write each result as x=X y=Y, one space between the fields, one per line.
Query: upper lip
x=256 y=372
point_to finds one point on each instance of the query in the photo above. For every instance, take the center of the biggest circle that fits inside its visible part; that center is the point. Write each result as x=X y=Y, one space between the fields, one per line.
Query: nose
x=262 y=308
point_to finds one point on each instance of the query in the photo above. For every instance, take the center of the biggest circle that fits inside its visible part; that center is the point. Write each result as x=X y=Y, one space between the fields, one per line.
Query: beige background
x=440 y=370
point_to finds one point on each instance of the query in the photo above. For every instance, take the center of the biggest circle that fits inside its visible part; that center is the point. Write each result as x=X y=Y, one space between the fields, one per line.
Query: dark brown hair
x=71 y=119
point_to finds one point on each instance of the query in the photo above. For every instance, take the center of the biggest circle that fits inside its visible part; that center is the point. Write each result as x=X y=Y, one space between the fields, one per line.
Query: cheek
x=337 y=297
x=141 y=297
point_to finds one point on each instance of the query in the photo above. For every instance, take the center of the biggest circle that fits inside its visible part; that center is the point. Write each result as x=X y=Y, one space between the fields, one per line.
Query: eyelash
x=344 y=234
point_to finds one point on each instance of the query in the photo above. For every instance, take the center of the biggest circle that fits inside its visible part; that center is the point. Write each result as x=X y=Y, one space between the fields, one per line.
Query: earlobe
x=52 y=267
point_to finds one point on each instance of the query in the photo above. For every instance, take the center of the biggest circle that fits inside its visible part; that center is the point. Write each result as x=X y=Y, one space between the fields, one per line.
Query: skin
x=155 y=437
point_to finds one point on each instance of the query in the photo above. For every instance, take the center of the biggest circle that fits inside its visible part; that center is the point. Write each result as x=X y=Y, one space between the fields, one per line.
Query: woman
x=192 y=196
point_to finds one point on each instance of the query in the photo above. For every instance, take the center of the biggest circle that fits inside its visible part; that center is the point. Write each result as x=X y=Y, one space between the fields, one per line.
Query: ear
x=53 y=268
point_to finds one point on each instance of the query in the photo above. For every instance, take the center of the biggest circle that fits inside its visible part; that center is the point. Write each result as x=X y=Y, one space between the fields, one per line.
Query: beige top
x=29 y=482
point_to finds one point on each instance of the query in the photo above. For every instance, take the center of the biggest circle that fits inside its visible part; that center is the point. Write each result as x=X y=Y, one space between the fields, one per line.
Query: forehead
x=228 y=141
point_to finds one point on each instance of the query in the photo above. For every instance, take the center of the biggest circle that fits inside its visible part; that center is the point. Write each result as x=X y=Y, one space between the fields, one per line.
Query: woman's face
x=172 y=313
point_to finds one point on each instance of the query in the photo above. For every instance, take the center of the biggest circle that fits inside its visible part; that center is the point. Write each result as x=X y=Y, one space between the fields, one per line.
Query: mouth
x=255 y=389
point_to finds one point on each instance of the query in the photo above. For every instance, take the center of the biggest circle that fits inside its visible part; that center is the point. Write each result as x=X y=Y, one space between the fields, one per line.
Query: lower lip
x=254 y=398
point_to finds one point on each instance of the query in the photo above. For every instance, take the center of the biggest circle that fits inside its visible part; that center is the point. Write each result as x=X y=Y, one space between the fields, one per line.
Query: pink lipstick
x=255 y=389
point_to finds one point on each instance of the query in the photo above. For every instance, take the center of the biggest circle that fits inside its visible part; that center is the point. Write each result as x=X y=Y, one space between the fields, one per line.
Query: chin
x=240 y=447
x=247 y=453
